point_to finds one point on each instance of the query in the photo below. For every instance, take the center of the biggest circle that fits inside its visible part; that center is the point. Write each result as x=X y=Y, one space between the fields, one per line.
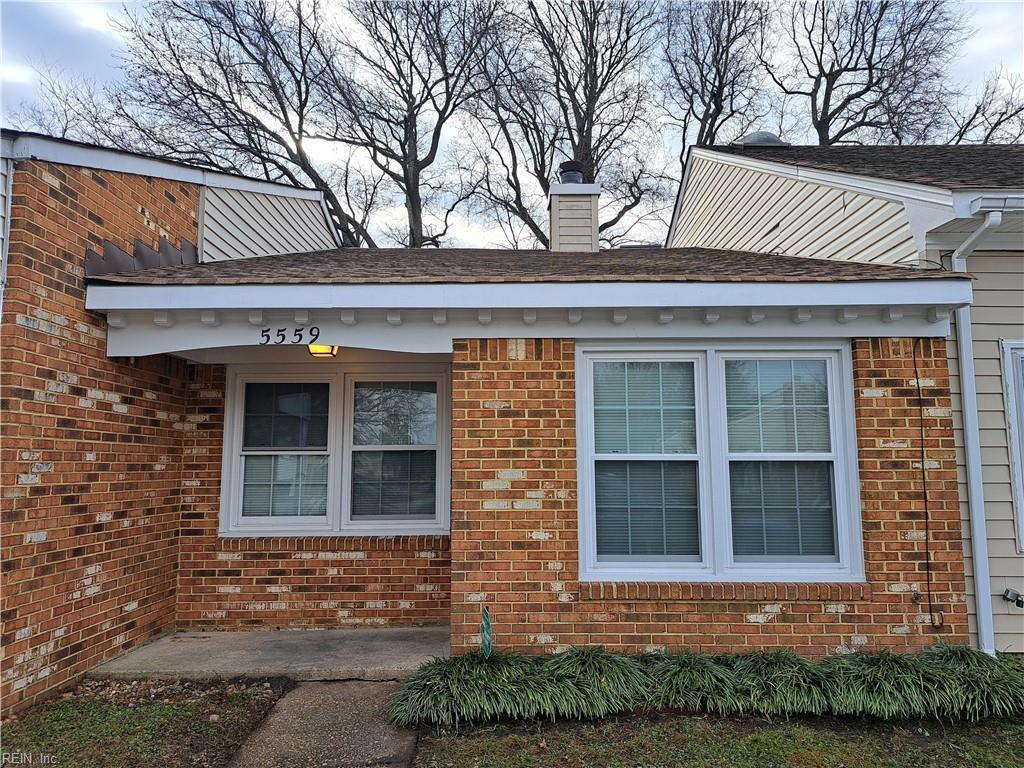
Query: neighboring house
x=645 y=448
x=955 y=207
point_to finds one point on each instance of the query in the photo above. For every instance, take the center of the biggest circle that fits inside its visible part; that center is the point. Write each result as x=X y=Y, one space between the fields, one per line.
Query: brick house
x=960 y=206
x=643 y=448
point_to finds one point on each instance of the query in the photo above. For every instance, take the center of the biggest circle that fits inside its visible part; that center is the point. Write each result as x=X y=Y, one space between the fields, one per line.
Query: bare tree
x=235 y=83
x=711 y=74
x=412 y=66
x=994 y=116
x=568 y=80
x=228 y=84
x=857 y=64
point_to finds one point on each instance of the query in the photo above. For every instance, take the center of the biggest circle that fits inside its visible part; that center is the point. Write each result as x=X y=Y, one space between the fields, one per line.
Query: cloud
x=12 y=72
x=997 y=39
x=98 y=17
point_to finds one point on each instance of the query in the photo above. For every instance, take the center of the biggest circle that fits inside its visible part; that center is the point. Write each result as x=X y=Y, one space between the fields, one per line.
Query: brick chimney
x=573 y=210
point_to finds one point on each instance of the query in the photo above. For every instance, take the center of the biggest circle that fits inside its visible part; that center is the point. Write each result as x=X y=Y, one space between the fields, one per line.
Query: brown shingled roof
x=454 y=265
x=960 y=166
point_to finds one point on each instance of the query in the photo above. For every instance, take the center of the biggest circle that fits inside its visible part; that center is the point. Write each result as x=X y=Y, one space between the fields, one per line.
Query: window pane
x=394 y=484
x=782 y=509
x=777 y=405
x=285 y=415
x=647 y=510
x=395 y=413
x=290 y=485
x=644 y=407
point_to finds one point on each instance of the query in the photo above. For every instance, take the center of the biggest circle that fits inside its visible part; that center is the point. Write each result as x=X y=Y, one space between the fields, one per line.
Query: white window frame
x=340 y=377
x=1013 y=358
x=443 y=473
x=717 y=562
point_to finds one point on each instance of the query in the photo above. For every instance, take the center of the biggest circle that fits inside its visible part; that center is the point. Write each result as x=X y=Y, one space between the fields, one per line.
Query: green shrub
x=471 y=688
x=971 y=685
x=593 y=682
x=886 y=685
x=945 y=681
x=693 y=682
x=779 y=683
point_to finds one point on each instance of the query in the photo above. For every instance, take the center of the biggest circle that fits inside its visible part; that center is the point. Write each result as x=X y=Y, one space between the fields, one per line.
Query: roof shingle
x=453 y=265
x=959 y=166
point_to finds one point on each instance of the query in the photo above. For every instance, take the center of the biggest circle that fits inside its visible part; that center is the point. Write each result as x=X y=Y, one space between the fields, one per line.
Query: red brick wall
x=91 y=447
x=514 y=534
x=310 y=581
x=111 y=469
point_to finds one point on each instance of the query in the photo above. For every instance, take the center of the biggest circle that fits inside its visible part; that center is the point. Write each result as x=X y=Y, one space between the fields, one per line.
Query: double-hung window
x=1013 y=379
x=334 y=450
x=717 y=463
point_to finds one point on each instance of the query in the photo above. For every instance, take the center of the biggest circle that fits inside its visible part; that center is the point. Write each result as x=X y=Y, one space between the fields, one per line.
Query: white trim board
x=141 y=332
x=913 y=292
x=29 y=147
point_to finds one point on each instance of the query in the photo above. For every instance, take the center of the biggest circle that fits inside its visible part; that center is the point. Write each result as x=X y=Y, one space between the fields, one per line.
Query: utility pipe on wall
x=972 y=444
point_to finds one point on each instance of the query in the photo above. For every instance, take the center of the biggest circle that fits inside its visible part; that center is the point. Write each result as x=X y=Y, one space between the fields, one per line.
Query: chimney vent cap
x=571 y=172
x=760 y=139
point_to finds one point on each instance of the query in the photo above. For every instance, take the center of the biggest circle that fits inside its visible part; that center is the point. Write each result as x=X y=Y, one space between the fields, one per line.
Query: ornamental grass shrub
x=947 y=682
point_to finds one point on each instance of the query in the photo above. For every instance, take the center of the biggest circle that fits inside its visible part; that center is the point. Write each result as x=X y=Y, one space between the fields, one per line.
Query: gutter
x=972 y=443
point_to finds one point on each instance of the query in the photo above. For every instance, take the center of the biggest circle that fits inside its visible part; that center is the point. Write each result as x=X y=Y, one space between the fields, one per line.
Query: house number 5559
x=289 y=335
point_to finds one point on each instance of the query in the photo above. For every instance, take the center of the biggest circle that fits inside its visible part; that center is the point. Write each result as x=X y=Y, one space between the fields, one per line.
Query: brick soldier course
x=111 y=491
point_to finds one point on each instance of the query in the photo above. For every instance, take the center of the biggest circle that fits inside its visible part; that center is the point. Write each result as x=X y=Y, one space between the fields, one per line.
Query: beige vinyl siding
x=237 y=224
x=726 y=206
x=997 y=314
x=574 y=222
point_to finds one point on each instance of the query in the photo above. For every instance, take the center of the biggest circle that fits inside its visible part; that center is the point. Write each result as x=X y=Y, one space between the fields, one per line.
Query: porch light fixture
x=322 y=350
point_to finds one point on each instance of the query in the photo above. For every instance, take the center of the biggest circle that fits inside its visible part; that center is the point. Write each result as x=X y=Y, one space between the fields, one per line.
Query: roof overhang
x=17 y=145
x=151 y=319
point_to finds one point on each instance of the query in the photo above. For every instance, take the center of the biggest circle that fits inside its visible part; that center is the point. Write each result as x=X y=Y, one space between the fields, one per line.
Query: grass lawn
x=143 y=724
x=693 y=742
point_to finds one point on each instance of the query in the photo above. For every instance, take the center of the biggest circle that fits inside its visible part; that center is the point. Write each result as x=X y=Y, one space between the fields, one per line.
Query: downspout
x=972 y=444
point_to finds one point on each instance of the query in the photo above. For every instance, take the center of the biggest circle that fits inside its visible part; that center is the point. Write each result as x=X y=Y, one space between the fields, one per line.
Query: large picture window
x=716 y=463
x=334 y=451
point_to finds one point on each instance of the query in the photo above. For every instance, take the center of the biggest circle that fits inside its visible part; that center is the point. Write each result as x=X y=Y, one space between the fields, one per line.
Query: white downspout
x=972 y=444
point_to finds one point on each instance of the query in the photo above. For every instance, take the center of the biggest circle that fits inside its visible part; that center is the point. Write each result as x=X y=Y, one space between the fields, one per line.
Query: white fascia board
x=868 y=185
x=1008 y=203
x=930 y=292
x=40 y=148
x=139 y=332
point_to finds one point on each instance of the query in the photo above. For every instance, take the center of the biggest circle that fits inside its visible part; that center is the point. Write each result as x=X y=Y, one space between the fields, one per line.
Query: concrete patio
x=333 y=654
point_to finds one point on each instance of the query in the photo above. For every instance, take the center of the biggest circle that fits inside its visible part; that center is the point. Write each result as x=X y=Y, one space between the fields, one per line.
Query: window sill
x=733 y=590
x=325 y=545
x=353 y=532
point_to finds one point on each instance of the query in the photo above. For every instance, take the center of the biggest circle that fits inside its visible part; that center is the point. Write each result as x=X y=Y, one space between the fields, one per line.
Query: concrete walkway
x=329 y=725
x=333 y=654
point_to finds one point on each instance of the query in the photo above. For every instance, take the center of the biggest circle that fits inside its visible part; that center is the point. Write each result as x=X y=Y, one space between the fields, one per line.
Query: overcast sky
x=77 y=35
